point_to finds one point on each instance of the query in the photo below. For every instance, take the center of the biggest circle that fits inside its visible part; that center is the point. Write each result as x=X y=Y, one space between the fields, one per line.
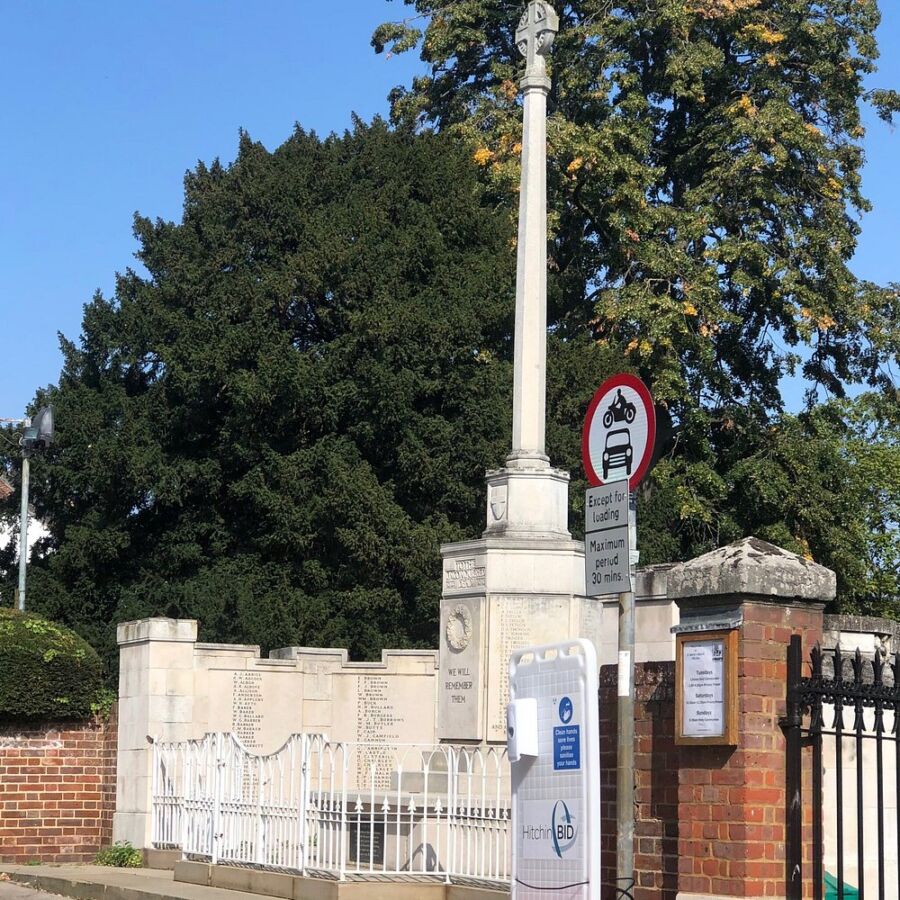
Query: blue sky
x=105 y=105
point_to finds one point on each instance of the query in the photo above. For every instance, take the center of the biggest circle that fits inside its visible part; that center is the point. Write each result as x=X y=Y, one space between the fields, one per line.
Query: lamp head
x=39 y=435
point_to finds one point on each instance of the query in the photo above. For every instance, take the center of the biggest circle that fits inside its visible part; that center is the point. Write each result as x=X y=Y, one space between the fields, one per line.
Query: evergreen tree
x=275 y=428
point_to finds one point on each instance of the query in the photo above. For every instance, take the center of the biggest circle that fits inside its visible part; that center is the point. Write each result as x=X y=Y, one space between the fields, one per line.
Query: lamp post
x=23 y=529
x=37 y=436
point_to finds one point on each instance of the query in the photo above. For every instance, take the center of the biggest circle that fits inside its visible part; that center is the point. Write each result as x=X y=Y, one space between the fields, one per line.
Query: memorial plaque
x=261 y=707
x=517 y=622
x=460 y=688
x=379 y=727
x=464 y=574
x=377 y=712
x=365 y=844
x=247 y=708
x=377 y=718
x=706 y=688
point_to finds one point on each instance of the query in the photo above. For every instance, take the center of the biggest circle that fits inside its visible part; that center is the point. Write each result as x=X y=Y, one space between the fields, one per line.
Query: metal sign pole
x=625 y=738
x=619 y=436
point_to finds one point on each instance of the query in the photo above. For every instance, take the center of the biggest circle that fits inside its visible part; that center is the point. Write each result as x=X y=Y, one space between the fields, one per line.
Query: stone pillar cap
x=158 y=628
x=752 y=567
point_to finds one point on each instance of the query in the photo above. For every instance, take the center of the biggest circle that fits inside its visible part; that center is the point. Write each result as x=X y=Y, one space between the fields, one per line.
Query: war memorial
x=308 y=774
x=312 y=764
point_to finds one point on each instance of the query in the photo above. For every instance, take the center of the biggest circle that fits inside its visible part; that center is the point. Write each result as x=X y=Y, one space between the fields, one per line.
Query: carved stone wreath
x=459 y=627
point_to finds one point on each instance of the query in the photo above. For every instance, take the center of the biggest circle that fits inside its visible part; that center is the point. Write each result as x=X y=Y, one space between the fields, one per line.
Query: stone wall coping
x=732 y=601
x=652 y=582
x=862 y=625
x=541 y=473
x=231 y=648
x=341 y=655
x=537 y=544
x=751 y=567
x=385 y=657
x=296 y=652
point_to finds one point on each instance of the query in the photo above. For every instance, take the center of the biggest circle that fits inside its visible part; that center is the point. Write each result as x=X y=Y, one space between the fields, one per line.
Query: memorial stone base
x=520 y=584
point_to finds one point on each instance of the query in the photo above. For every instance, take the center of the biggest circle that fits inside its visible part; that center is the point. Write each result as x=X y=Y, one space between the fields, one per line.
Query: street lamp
x=37 y=436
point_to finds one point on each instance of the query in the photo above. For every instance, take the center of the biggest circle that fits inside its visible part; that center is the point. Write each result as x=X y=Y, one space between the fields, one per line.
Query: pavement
x=104 y=883
x=9 y=890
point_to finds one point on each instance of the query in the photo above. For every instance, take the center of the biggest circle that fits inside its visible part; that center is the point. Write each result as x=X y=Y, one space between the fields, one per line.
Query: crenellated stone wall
x=172 y=687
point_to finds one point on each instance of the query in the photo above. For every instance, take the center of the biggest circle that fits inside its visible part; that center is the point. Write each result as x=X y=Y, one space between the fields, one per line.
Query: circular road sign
x=619 y=432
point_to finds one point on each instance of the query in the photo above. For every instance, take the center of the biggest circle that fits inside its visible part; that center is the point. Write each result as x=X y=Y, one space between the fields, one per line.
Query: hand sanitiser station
x=553 y=738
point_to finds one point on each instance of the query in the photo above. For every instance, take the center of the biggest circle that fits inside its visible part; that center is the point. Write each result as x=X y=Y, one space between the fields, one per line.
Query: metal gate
x=843 y=775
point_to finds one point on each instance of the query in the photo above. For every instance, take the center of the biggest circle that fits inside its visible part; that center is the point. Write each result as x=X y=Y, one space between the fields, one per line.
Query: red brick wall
x=656 y=763
x=57 y=790
x=708 y=820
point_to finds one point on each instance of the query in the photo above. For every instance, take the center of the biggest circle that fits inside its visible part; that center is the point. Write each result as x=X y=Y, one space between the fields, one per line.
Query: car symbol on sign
x=617 y=451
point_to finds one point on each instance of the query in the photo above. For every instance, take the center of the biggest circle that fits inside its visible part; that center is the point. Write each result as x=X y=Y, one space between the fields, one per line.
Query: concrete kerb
x=95 y=882
x=161 y=859
x=201 y=881
x=295 y=887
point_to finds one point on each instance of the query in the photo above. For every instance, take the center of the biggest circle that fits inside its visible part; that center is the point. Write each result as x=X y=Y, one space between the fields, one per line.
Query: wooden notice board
x=706 y=688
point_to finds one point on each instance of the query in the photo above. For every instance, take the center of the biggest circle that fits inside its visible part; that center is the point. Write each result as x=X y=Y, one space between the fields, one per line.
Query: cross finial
x=537 y=28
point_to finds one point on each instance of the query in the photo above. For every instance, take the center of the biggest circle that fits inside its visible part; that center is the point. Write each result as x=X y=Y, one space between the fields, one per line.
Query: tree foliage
x=826 y=484
x=704 y=159
x=274 y=429
x=704 y=177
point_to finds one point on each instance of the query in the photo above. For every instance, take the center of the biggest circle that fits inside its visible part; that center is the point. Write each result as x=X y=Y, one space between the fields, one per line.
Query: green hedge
x=46 y=670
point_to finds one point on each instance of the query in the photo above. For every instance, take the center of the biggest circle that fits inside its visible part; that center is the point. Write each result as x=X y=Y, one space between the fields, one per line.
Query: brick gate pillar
x=732 y=800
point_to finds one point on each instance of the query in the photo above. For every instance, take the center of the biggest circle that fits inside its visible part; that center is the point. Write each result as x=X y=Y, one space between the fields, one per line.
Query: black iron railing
x=819 y=709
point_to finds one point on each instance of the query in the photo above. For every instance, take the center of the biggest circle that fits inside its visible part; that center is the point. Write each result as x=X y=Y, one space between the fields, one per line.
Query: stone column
x=534 y=37
x=523 y=581
x=156 y=700
x=528 y=498
x=732 y=800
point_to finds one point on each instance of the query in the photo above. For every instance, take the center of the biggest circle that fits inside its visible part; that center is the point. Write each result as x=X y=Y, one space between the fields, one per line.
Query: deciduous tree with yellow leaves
x=704 y=178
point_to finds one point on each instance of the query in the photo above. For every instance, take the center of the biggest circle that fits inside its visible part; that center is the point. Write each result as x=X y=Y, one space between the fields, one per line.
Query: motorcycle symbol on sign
x=620 y=410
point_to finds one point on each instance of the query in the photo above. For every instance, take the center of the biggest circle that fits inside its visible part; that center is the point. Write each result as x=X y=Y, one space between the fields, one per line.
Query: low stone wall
x=173 y=688
x=57 y=790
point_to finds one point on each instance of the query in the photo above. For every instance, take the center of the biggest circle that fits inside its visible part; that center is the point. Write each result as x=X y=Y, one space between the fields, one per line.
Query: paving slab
x=106 y=883
x=10 y=890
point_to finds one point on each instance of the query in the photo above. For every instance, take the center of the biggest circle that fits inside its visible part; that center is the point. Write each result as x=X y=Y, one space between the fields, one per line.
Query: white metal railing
x=337 y=809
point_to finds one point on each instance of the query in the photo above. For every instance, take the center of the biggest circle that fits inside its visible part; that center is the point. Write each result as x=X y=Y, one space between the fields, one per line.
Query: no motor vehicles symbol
x=619 y=432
